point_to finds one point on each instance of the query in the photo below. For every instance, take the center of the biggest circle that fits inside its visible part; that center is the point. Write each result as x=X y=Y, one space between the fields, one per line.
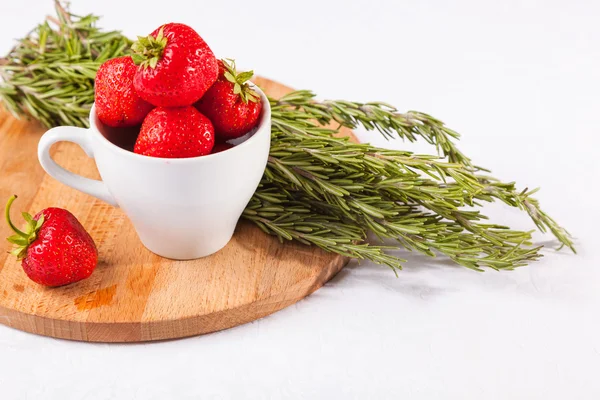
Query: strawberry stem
x=7 y=216
x=147 y=51
x=21 y=239
x=240 y=81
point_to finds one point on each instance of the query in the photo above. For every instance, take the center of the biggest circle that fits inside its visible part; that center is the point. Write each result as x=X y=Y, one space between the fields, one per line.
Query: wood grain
x=135 y=295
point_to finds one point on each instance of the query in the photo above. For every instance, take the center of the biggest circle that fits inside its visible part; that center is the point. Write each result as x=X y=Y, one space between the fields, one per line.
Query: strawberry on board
x=54 y=248
x=117 y=103
x=176 y=66
x=231 y=104
x=175 y=133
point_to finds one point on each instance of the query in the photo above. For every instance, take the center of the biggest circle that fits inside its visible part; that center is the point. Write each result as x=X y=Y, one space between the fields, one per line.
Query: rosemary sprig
x=318 y=189
x=370 y=188
x=49 y=75
x=473 y=186
x=380 y=116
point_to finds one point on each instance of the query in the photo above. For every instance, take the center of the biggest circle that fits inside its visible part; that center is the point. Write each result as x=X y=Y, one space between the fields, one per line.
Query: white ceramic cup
x=182 y=208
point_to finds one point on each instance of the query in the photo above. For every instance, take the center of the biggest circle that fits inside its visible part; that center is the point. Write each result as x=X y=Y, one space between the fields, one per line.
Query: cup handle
x=81 y=137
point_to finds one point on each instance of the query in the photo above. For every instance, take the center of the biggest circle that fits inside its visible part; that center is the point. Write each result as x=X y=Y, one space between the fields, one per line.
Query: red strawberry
x=175 y=133
x=219 y=147
x=117 y=103
x=231 y=104
x=55 y=249
x=176 y=66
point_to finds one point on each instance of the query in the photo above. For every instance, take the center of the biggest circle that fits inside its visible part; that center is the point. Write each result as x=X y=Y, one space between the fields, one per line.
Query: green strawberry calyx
x=21 y=239
x=240 y=81
x=148 y=50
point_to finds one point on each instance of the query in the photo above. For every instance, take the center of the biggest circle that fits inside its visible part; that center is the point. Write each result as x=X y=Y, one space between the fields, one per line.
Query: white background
x=520 y=80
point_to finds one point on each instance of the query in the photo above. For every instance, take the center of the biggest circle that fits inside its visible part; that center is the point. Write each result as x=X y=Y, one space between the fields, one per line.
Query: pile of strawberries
x=183 y=97
x=185 y=102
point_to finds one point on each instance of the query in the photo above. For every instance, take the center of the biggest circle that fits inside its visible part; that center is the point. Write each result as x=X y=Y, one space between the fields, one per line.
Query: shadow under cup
x=181 y=208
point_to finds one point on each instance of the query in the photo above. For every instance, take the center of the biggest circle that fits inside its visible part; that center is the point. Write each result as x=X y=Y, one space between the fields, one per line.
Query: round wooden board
x=135 y=295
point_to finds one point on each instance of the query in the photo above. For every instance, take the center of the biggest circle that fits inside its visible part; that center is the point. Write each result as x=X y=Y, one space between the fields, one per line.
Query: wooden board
x=135 y=295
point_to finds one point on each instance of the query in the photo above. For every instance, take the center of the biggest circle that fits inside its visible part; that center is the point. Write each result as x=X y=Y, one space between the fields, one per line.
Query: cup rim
x=261 y=129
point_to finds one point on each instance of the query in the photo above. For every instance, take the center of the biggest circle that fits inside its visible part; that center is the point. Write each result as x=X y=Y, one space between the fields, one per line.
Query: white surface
x=166 y=199
x=521 y=81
